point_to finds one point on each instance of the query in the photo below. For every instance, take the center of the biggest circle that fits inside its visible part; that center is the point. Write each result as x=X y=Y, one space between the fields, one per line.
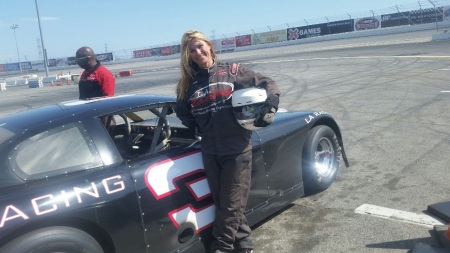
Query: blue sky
x=122 y=26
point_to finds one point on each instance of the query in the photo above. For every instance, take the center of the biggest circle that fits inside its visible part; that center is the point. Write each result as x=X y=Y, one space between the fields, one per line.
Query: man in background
x=96 y=80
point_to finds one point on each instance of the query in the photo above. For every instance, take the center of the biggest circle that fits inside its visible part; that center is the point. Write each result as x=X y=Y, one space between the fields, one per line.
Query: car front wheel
x=52 y=240
x=321 y=153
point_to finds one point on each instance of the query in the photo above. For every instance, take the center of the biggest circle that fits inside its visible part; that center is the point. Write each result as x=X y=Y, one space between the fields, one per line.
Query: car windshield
x=5 y=134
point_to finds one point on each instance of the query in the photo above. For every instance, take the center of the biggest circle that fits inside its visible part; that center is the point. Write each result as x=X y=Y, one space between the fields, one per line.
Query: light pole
x=42 y=41
x=14 y=27
x=435 y=15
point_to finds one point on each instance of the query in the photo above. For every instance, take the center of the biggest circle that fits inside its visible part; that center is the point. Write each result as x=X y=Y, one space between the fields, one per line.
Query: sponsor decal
x=312 y=116
x=62 y=199
x=304 y=32
x=293 y=34
x=228 y=41
x=173 y=171
x=215 y=93
x=367 y=24
x=222 y=72
x=310 y=32
x=234 y=68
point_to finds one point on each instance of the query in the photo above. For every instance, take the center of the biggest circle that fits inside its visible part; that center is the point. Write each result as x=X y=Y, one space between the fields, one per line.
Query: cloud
x=48 y=18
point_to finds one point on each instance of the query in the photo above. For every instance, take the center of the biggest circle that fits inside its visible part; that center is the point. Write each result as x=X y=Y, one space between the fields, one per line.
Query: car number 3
x=162 y=178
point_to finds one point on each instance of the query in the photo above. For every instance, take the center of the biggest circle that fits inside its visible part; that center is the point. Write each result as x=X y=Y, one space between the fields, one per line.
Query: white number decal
x=162 y=181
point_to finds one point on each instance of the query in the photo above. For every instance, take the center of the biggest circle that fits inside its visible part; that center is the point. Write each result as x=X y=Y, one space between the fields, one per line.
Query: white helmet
x=246 y=105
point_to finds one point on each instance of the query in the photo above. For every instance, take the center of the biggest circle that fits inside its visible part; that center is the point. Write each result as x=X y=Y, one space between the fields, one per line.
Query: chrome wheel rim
x=324 y=158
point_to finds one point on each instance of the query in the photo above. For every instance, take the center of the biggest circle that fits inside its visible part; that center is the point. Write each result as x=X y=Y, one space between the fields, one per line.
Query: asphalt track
x=391 y=98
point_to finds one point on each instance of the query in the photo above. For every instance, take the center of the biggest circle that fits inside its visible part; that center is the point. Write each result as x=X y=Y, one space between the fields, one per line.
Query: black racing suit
x=226 y=146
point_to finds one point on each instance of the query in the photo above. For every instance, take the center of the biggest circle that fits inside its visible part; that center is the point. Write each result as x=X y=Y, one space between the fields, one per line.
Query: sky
x=123 y=26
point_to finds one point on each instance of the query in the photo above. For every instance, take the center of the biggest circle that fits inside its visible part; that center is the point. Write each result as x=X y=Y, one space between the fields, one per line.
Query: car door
x=175 y=201
x=170 y=182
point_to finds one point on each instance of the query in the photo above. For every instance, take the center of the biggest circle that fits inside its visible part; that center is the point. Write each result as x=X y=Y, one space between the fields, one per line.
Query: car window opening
x=146 y=131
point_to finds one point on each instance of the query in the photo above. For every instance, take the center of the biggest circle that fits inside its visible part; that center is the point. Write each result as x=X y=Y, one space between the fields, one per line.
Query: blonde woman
x=204 y=94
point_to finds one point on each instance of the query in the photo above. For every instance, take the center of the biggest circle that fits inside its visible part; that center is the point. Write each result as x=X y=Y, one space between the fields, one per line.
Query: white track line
x=398 y=215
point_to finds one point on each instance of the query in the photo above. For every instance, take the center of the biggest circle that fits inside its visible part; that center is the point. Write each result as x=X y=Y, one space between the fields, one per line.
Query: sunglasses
x=82 y=58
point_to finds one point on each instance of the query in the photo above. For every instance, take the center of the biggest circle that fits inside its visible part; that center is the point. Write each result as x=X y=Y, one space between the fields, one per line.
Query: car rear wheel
x=52 y=240
x=321 y=153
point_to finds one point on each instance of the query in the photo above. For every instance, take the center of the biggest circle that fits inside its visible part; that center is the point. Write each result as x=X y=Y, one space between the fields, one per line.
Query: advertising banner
x=176 y=49
x=228 y=44
x=142 y=53
x=424 y=16
x=446 y=12
x=57 y=62
x=70 y=61
x=244 y=40
x=156 y=51
x=165 y=51
x=341 y=26
x=395 y=19
x=12 y=66
x=15 y=66
x=105 y=57
x=40 y=64
x=269 y=37
x=302 y=32
x=25 y=65
x=369 y=23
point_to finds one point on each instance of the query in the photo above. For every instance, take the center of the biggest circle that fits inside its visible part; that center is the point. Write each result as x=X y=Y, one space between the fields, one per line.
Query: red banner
x=166 y=50
x=243 y=41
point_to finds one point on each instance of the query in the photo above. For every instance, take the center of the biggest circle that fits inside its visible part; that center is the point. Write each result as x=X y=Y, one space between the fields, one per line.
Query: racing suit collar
x=199 y=70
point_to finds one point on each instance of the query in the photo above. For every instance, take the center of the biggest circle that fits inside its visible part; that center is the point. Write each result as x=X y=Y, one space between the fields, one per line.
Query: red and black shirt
x=96 y=82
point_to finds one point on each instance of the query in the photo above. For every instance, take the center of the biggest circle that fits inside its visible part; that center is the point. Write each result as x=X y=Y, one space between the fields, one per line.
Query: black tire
x=321 y=154
x=54 y=239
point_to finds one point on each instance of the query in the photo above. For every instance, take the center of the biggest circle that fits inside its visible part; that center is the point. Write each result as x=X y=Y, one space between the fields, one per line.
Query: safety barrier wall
x=358 y=27
x=35 y=83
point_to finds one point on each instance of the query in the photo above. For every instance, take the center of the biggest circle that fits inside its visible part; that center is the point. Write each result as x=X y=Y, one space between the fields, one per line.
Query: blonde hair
x=187 y=71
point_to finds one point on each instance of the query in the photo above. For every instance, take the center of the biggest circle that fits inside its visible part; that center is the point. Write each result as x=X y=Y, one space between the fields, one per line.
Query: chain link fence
x=413 y=6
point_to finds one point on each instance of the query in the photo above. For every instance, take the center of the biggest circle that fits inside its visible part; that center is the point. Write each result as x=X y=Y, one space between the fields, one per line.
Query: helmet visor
x=247 y=111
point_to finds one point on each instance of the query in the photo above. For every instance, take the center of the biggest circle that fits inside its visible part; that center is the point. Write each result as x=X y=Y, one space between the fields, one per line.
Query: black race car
x=122 y=174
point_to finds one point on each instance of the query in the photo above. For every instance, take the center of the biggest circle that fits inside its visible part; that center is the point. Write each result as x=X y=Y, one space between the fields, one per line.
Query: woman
x=204 y=102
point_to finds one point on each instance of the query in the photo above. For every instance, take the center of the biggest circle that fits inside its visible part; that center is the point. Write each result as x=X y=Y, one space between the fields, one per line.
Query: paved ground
x=392 y=102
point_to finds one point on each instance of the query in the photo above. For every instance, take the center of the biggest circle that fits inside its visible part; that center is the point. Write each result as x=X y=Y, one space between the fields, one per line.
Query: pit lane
x=387 y=93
